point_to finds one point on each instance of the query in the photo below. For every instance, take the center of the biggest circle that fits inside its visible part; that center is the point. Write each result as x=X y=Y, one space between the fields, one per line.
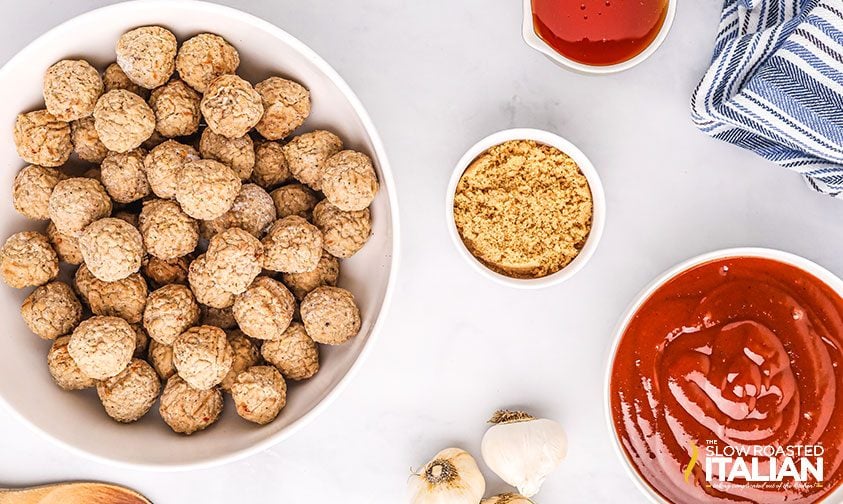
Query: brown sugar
x=523 y=209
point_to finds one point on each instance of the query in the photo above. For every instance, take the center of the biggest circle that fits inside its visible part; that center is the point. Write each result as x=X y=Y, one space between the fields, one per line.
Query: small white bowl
x=597 y=197
x=806 y=265
x=77 y=420
x=528 y=32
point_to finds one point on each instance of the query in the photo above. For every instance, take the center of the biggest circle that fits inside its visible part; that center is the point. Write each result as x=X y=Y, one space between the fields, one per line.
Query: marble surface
x=436 y=76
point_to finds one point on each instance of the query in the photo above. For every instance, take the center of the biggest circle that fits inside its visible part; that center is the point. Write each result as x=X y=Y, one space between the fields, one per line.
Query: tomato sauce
x=735 y=356
x=599 y=32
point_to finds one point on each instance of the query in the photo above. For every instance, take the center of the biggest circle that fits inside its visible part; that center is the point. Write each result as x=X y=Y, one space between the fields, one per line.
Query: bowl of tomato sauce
x=725 y=381
x=597 y=36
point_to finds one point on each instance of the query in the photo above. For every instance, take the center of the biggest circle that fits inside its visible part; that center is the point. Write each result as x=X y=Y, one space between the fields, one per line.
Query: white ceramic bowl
x=76 y=420
x=597 y=197
x=528 y=32
x=806 y=265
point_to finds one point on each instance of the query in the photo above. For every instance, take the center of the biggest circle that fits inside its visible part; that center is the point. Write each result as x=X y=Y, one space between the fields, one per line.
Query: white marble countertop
x=436 y=76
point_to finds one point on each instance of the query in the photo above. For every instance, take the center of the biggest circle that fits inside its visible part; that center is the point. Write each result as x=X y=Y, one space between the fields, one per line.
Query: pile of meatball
x=207 y=239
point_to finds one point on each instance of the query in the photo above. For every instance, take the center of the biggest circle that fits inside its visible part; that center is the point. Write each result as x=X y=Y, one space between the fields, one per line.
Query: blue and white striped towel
x=775 y=86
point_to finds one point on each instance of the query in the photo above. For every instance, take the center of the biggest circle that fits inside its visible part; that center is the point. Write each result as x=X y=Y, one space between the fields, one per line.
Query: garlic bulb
x=452 y=477
x=523 y=450
x=508 y=498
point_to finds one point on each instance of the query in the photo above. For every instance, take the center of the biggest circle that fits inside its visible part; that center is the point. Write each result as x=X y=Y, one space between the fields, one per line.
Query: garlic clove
x=507 y=498
x=523 y=450
x=452 y=477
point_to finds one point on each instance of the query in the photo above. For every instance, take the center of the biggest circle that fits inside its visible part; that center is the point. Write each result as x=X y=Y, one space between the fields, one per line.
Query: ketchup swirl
x=742 y=353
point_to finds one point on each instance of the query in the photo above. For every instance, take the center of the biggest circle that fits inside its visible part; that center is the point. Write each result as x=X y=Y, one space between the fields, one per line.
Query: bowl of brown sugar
x=525 y=208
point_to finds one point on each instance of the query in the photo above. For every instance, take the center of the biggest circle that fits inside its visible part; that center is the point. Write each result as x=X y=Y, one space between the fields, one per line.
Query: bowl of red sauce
x=725 y=381
x=597 y=36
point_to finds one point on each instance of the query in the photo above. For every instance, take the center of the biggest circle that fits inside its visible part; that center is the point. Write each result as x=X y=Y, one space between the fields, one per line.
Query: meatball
x=292 y=245
x=147 y=55
x=86 y=141
x=206 y=189
x=187 y=410
x=344 y=233
x=286 y=105
x=161 y=358
x=115 y=78
x=28 y=260
x=246 y=355
x=66 y=246
x=234 y=257
x=52 y=310
x=205 y=57
x=259 y=393
x=71 y=89
x=163 y=166
x=294 y=199
x=124 y=298
x=102 y=347
x=349 y=181
x=203 y=356
x=218 y=317
x=306 y=155
x=123 y=175
x=168 y=232
x=129 y=395
x=141 y=341
x=236 y=153
x=32 y=188
x=253 y=211
x=161 y=272
x=112 y=249
x=265 y=310
x=41 y=139
x=170 y=311
x=295 y=354
x=330 y=315
x=64 y=370
x=77 y=202
x=271 y=167
x=123 y=120
x=176 y=108
x=231 y=106
x=326 y=273
x=204 y=286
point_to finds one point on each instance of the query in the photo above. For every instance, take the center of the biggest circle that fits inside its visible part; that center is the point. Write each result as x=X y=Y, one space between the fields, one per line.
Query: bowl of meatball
x=199 y=234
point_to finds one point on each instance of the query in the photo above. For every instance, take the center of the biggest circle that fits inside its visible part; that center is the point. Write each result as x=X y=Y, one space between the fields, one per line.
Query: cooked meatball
x=295 y=354
x=71 y=89
x=28 y=260
x=344 y=233
x=231 y=106
x=203 y=356
x=326 y=273
x=294 y=199
x=86 y=141
x=63 y=368
x=129 y=395
x=187 y=410
x=115 y=78
x=204 y=286
x=253 y=211
x=234 y=259
x=32 y=189
x=236 y=153
x=102 y=347
x=206 y=189
x=270 y=168
x=176 y=108
x=124 y=177
x=259 y=394
x=218 y=317
x=123 y=120
x=286 y=105
x=66 y=246
x=330 y=315
x=163 y=166
x=161 y=358
x=246 y=355
x=306 y=155
x=292 y=245
x=112 y=249
x=265 y=309
x=205 y=57
x=170 y=311
x=349 y=181
x=147 y=55
x=52 y=310
x=161 y=272
x=124 y=298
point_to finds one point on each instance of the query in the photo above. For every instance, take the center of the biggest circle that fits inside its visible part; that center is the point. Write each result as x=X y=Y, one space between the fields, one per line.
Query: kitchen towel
x=775 y=86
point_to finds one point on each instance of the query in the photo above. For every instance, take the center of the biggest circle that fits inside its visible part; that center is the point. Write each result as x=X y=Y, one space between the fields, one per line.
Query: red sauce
x=735 y=356
x=599 y=32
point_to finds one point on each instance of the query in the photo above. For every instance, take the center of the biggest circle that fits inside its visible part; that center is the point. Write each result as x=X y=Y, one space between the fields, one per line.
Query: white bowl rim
x=532 y=39
x=789 y=258
x=47 y=39
x=598 y=199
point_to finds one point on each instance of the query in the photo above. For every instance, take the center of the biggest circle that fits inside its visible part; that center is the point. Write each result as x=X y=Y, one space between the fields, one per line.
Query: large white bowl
x=77 y=420
x=806 y=265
